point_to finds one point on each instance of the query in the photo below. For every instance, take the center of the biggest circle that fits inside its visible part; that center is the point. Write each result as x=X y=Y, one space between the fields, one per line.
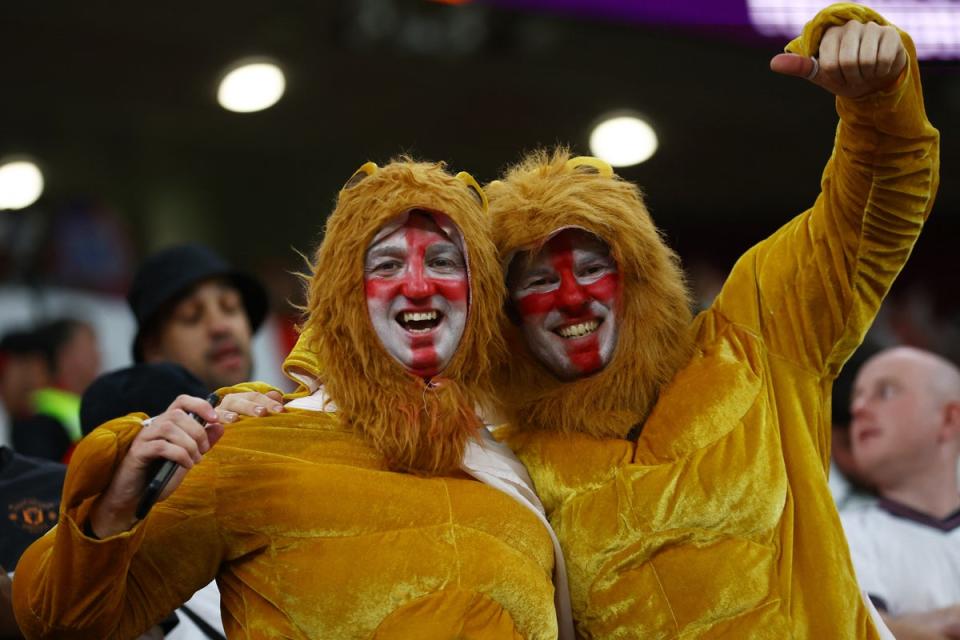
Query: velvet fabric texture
x=546 y=192
x=309 y=520
x=309 y=536
x=718 y=521
x=418 y=425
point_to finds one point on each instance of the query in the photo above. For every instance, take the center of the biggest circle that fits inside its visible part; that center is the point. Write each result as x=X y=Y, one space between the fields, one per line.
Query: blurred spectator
x=72 y=362
x=30 y=502
x=23 y=370
x=847 y=484
x=905 y=436
x=194 y=309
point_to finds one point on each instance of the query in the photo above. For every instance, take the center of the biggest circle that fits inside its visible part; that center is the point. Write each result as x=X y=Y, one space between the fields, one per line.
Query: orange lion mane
x=535 y=198
x=418 y=426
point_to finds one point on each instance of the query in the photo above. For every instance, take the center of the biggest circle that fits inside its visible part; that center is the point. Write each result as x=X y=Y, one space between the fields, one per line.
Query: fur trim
x=418 y=427
x=535 y=198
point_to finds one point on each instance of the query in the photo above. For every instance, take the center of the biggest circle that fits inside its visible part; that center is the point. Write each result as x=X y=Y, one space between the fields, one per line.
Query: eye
x=230 y=302
x=886 y=391
x=386 y=268
x=539 y=282
x=443 y=263
x=189 y=314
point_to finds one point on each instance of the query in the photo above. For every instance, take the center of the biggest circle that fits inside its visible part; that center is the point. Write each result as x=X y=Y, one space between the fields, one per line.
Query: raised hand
x=854 y=60
x=173 y=435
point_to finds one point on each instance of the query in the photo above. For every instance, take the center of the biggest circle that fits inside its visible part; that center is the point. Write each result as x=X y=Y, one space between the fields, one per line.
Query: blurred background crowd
x=127 y=130
x=123 y=132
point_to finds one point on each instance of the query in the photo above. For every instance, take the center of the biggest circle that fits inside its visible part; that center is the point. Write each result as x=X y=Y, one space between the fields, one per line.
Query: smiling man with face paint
x=685 y=472
x=566 y=296
x=416 y=285
x=353 y=513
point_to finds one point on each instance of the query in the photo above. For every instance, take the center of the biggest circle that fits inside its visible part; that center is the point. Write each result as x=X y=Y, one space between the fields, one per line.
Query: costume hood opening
x=550 y=191
x=419 y=426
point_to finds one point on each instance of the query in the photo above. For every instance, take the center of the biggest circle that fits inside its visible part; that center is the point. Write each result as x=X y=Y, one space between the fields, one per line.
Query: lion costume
x=717 y=520
x=344 y=522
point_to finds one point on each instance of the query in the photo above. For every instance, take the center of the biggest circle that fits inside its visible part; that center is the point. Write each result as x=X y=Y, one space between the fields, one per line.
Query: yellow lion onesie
x=345 y=522
x=716 y=521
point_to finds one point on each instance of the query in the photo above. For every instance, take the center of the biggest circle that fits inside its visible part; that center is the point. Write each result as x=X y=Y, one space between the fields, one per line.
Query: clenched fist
x=854 y=60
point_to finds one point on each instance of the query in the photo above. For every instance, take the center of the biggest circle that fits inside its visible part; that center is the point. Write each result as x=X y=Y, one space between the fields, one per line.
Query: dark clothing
x=40 y=436
x=30 y=491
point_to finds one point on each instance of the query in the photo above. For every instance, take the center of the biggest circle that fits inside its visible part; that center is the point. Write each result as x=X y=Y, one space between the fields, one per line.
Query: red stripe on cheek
x=381 y=289
x=535 y=304
x=453 y=289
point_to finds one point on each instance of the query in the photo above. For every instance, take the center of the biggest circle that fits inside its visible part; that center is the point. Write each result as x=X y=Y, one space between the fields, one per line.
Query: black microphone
x=161 y=471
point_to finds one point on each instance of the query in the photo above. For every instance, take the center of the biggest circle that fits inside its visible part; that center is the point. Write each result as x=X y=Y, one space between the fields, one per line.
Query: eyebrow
x=441 y=248
x=386 y=251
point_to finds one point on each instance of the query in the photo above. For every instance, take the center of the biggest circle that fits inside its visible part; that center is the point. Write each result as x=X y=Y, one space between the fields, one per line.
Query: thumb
x=790 y=64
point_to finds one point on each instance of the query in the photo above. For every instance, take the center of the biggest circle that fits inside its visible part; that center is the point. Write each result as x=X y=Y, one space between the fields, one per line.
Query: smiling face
x=417 y=289
x=566 y=296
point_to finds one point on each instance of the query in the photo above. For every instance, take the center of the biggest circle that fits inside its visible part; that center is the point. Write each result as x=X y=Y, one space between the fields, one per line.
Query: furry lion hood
x=548 y=191
x=419 y=426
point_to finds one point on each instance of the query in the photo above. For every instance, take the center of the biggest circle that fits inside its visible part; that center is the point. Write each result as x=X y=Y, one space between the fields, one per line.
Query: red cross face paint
x=417 y=293
x=567 y=296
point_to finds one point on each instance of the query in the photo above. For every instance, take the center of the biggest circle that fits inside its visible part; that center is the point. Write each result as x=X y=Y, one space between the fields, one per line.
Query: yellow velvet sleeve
x=68 y=585
x=811 y=290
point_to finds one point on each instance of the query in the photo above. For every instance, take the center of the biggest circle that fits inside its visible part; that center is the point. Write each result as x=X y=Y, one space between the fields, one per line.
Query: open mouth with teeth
x=578 y=330
x=419 y=321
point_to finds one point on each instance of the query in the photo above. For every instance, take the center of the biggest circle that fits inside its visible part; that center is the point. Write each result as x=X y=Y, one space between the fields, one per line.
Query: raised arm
x=102 y=574
x=812 y=289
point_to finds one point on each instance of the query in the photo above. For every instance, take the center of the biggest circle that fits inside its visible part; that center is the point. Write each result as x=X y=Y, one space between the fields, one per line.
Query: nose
x=218 y=322
x=416 y=284
x=570 y=295
x=858 y=406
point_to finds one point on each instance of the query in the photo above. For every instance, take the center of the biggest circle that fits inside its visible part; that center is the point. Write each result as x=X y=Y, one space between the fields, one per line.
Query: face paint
x=567 y=296
x=417 y=288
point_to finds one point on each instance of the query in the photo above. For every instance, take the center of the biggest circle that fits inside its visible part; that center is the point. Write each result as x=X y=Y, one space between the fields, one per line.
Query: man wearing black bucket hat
x=194 y=309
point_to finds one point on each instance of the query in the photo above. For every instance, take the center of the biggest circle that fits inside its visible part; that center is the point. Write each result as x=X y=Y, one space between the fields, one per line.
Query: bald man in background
x=905 y=435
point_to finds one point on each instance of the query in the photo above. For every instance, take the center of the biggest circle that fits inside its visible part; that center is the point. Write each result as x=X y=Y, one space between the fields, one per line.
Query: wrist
x=104 y=521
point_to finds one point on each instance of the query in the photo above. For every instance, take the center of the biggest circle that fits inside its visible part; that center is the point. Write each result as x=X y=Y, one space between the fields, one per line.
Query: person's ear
x=951 y=420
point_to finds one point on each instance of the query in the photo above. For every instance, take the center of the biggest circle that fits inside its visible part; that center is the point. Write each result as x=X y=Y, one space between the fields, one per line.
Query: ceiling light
x=623 y=140
x=251 y=86
x=21 y=183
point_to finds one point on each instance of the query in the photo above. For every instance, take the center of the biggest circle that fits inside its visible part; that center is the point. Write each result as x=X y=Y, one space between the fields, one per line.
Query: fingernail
x=277 y=408
x=260 y=411
x=229 y=416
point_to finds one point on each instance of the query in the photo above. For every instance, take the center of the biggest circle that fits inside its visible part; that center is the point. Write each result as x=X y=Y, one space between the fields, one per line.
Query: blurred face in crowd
x=901 y=414
x=417 y=289
x=208 y=333
x=566 y=296
x=20 y=376
x=78 y=360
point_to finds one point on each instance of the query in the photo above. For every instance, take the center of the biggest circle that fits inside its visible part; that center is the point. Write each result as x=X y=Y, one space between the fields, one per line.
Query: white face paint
x=566 y=297
x=417 y=291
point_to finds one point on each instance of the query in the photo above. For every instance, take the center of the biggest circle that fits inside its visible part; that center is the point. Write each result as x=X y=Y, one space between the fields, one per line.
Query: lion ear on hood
x=589 y=164
x=364 y=172
x=475 y=189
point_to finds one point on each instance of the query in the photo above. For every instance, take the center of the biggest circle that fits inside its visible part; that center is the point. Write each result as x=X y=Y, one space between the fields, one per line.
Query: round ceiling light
x=251 y=86
x=623 y=140
x=21 y=184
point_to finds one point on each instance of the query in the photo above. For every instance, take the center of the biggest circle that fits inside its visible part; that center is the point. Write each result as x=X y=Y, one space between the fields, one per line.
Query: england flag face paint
x=567 y=296
x=417 y=294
